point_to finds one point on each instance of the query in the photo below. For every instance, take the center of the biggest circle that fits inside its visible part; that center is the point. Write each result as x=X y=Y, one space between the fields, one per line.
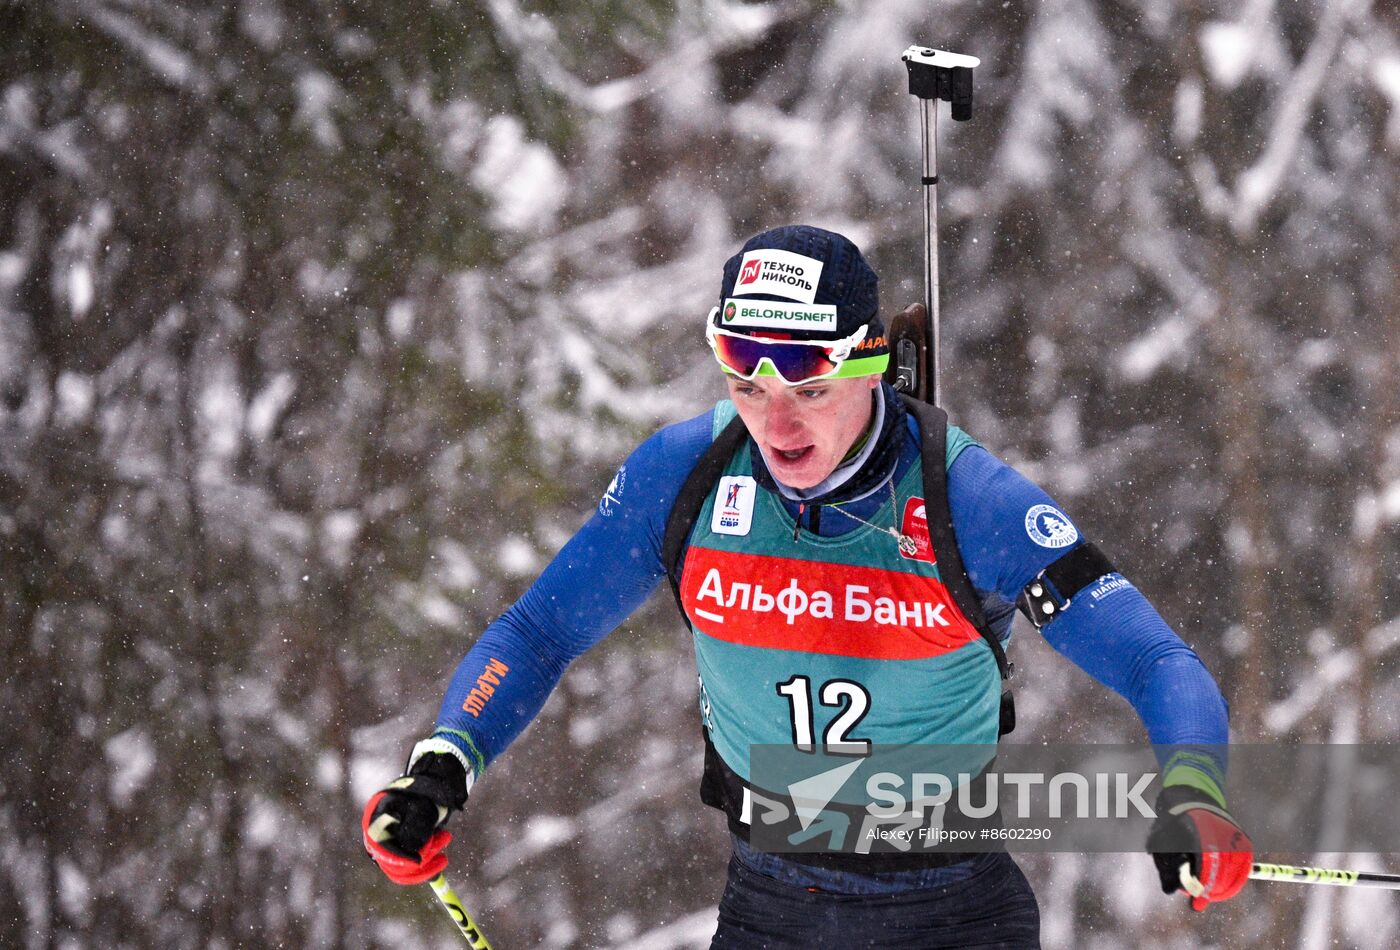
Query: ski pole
x=460 y=917
x=1297 y=875
x=936 y=74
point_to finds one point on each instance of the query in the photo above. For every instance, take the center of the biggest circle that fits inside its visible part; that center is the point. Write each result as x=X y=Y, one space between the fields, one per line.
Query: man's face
x=805 y=431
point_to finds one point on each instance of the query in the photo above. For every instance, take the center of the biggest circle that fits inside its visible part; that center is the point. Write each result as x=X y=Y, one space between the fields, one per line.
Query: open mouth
x=793 y=455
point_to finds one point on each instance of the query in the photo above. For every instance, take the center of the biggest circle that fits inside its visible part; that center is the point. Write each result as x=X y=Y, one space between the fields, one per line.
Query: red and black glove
x=1193 y=830
x=403 y=823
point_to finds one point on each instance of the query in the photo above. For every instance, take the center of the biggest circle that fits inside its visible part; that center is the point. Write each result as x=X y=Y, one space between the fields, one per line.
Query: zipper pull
x=797 y=525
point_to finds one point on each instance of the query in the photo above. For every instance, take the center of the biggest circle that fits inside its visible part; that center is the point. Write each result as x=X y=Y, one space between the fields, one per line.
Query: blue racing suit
x=614 y=563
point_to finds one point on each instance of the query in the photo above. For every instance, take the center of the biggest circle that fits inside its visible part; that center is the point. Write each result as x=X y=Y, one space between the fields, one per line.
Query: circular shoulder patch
x=1049 y=528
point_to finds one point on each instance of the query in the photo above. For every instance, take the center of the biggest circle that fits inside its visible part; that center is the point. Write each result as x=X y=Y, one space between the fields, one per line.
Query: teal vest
x=837 y=641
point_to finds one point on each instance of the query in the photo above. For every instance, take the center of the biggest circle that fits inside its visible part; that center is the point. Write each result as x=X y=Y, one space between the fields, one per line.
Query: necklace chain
x=906 y=543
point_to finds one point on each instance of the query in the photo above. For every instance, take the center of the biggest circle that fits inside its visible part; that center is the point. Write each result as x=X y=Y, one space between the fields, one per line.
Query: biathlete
x=819 y=489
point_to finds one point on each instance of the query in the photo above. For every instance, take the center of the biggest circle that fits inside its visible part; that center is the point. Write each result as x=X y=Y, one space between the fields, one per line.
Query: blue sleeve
x=1009 y=530
x=595 y=582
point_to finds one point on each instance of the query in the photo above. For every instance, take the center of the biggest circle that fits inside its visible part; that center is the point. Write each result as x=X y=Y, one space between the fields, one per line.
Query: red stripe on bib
x=821 y=607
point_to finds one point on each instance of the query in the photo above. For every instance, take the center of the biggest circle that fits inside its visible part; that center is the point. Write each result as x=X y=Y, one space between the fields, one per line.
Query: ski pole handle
x=460 y=917
x=1297 y=875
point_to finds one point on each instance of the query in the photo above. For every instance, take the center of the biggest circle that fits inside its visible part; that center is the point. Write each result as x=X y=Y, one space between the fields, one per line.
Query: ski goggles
x=792 y=361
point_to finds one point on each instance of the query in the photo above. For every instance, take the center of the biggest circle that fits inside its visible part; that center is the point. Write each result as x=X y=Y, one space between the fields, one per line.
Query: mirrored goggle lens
x=795 y=362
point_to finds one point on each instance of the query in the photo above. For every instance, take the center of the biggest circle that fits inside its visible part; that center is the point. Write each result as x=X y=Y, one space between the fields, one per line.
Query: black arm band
x=1054 y=589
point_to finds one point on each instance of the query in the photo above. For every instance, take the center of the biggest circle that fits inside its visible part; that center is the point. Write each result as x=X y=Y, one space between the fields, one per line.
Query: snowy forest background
x=323 y=324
